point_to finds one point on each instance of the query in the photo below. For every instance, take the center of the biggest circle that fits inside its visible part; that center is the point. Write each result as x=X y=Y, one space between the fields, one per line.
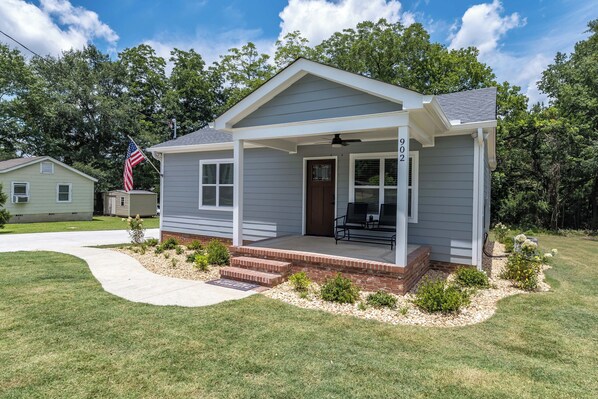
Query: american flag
x=134 y=157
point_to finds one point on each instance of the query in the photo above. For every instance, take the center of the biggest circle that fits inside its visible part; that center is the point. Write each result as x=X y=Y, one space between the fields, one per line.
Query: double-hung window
x=216 y=184
x=374 y=178
x=63 y=192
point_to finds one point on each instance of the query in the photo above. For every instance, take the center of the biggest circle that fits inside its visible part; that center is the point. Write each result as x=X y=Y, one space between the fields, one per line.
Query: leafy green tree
x=243 y=70
x=195 y=92
x=15 y=77
x=4 y=215
x=405 y=56
x=291 y=47
x=571 y=82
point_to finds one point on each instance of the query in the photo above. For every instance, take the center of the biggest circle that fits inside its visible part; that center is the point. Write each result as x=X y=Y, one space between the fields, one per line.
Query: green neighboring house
x=43 y=189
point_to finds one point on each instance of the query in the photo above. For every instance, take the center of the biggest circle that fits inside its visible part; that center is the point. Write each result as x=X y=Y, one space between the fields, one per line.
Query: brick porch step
x=262 y=265
x=251 y=276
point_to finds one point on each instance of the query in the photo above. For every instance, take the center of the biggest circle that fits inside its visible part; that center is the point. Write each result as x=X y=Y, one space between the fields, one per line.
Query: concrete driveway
x=120 y=274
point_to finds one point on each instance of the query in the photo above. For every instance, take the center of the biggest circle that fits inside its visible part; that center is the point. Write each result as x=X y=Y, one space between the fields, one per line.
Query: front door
x=320 y=201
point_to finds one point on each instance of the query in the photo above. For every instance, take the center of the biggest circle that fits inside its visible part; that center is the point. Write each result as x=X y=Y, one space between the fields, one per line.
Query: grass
x=61 y=335
x=97 y=223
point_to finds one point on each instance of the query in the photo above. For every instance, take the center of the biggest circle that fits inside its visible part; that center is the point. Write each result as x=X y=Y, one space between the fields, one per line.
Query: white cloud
x=54 y=26
x=483 y=26
x=318 y=19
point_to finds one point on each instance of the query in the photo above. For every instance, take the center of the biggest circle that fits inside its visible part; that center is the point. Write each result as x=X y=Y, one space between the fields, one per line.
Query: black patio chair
x=355 y=219
x=387 y=222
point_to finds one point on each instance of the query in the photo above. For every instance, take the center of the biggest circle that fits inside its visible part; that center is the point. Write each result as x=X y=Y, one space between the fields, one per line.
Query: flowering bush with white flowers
x=501 y=231
x=135 y=229
x=520 y=239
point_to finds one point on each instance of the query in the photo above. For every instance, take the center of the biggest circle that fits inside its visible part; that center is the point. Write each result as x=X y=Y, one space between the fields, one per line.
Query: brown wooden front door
x=320 y=201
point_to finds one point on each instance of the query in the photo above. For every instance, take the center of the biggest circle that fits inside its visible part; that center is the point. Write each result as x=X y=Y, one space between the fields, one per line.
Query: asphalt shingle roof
x=469 y=106
x=202 y=136
x=11 y=163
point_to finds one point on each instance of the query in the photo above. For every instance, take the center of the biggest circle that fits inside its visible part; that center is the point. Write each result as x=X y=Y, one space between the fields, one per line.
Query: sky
x=518 y=39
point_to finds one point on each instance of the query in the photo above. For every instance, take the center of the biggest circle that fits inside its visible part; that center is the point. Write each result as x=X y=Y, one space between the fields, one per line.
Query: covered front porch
x=328 y=246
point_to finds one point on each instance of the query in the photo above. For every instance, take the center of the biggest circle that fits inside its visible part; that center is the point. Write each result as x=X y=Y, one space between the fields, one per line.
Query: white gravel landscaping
x=482 y=307
x=160 y=264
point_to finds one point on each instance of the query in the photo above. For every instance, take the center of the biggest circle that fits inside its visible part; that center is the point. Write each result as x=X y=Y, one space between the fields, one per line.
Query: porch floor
x=327 y=246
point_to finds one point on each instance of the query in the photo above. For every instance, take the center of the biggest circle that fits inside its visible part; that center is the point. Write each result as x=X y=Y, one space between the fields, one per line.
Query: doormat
x=235 y=285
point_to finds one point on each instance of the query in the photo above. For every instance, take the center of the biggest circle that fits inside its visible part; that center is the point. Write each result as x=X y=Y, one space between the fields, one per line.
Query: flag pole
x=144 y=156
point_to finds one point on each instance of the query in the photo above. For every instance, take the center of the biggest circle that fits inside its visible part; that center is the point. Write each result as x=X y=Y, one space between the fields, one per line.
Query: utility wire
x=21 y=44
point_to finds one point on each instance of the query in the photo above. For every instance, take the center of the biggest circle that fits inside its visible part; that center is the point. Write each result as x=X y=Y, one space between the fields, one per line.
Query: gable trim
x=47 y=158
x=277 y=84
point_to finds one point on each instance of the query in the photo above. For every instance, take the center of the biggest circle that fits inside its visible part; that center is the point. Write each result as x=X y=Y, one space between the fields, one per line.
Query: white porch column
x=402 y=196
x=238 y=192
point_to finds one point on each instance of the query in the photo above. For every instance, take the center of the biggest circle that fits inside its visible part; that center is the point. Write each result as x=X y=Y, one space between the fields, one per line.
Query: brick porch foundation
x=368 y=275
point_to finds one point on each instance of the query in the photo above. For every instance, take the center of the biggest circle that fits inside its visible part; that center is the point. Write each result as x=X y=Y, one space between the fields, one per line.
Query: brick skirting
x=368 y=275
x=446 y=266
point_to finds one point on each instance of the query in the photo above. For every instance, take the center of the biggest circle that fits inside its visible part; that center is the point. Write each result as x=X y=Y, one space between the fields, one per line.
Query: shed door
x=320 y=201
x=112 y=205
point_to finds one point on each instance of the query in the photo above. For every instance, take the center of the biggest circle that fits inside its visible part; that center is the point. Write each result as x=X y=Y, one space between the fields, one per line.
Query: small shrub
x=174 y=262
x=158 y=250
x=151 y=242
x=169 y=243
x=523 y=271
x=300 y=281
x=135 y=229
x=362 y=305
x=509 y=244
x=179 y=250
x=201 y=262
x=403 y=310
x=142 y=249
x=166 y=255
x=438 y=296
x=303 y=294
x=470 y=277
x=501 y=231
x=217 y=253
x=194 y=245
x=382 y=299
x=339 y=289
x=192 y=255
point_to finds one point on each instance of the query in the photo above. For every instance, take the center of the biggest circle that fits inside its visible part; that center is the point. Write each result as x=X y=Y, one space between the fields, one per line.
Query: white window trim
x=41 y=168
x=70 y=193
x=217 y=185
x=12 y=190
x=414 y=155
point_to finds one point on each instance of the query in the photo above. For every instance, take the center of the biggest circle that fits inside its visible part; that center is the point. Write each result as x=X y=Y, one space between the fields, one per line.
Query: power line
x=21 y=44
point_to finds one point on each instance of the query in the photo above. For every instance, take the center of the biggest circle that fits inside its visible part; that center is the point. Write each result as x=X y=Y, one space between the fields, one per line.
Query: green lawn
x=98 y=223
x=61 y=335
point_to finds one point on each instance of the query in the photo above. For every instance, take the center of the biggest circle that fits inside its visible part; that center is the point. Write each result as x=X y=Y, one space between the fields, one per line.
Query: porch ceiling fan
x=337 y=141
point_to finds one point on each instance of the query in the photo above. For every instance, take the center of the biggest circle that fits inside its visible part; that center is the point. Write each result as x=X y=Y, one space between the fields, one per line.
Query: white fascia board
x=197 y=148
x=439 y=118
x=48 y=158
x=425 y=139
x=473 y=126
x=409 y=99
x=324 y=126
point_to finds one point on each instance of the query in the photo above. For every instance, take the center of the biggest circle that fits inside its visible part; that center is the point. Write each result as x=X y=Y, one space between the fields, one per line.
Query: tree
x=15 y=76
x=243 y=70
x=571 y=82
x=4 y=215
x=195 y=92
x=291 y=47
x=405 y=56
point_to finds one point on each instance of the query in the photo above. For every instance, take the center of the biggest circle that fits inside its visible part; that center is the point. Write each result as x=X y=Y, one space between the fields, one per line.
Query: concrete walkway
x=120 y=274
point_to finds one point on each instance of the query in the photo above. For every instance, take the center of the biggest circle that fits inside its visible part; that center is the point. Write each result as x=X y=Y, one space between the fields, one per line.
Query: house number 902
x=402 y=150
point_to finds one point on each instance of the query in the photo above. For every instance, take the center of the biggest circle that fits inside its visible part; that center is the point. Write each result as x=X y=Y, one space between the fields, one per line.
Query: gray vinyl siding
x=273 y=193
x=312 y=98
